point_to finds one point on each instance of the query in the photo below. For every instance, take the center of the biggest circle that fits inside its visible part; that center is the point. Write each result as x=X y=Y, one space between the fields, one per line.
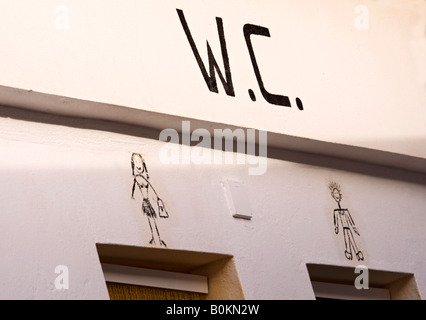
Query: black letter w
x=211 y=78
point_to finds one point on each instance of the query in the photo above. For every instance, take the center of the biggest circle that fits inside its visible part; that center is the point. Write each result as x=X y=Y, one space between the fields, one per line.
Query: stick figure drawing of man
x=141 y=180
x=343 y=217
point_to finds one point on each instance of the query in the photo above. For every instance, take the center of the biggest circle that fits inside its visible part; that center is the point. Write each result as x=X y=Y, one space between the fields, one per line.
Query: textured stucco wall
x=63 y=189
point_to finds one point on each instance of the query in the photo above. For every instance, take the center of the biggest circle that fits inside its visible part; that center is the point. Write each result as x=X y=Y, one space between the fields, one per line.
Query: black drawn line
x=213 y=66
x=141 y=180
x=343 y=217
x=276 y=99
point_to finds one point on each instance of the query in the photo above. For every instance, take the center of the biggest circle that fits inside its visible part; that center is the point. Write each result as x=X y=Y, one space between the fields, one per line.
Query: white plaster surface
x=363 y=87
x=64 y=189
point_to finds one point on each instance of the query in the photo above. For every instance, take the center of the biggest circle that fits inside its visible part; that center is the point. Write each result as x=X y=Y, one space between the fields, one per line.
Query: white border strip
x=155 y=278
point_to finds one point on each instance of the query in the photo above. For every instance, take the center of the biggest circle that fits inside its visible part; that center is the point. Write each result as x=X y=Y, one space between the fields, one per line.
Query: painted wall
x=64 y=189
x=356 y=63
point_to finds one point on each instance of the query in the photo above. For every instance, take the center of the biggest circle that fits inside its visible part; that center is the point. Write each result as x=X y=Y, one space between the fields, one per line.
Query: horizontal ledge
x=172 y=260
x=348 y=292
x=155 y=278
x=72 y=107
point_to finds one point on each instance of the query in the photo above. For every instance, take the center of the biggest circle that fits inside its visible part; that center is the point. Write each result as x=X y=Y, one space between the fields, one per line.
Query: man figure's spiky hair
x=334 y=185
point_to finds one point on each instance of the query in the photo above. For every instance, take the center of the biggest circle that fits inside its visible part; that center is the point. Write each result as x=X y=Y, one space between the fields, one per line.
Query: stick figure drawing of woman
x=343 y=217
x=141 y=180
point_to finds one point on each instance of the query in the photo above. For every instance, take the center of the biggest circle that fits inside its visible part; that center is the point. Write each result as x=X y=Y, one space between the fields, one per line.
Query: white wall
x=363 y=87
x=64 y=189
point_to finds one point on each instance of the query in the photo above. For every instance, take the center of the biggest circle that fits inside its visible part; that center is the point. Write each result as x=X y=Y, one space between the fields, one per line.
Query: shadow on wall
x=342 y=157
